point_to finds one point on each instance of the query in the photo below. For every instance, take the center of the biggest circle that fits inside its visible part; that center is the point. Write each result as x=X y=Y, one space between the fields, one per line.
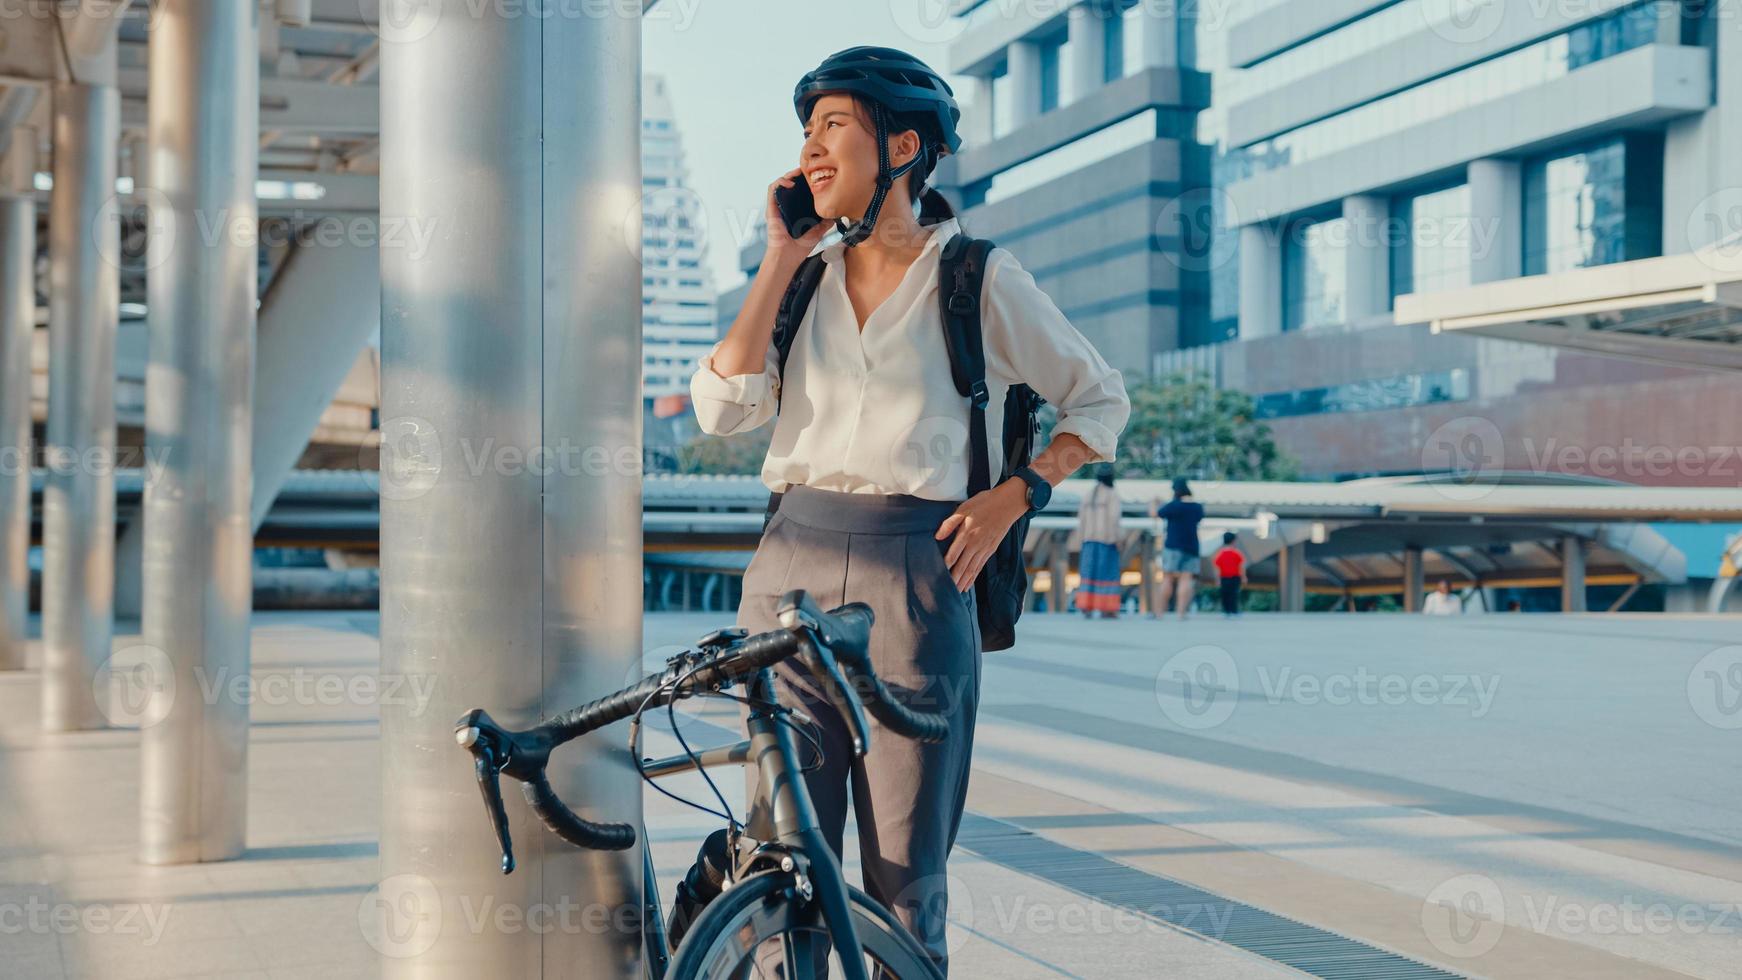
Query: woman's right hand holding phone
x=784 y=249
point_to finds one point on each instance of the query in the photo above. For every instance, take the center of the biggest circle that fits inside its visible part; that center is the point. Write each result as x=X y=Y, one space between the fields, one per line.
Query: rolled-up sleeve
x=1028 y=338
x=727 y=406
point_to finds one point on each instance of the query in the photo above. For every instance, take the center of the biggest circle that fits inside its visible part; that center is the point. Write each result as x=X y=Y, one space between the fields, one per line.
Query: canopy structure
x=1682 y=310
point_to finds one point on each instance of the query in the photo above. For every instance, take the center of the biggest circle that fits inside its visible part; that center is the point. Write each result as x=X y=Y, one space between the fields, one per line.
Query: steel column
x=1414 y=583
x=17 y=325
x=511 y=586
x=78 y=575
x=1291 y=578
x=199 y=544
x=1572 y=574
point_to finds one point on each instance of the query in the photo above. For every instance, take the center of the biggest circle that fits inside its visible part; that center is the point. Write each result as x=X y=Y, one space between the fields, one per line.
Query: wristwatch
x=1039 y=491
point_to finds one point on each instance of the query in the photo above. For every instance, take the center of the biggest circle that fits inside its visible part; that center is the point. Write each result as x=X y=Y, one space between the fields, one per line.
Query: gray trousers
x=907 y=797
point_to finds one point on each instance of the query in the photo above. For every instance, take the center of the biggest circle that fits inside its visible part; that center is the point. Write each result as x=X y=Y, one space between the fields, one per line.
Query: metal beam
x=199 y=544
x=286 y=105
x=518 y=139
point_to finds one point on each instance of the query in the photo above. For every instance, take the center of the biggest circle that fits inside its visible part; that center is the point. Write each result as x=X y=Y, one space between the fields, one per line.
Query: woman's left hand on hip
x=979 y=524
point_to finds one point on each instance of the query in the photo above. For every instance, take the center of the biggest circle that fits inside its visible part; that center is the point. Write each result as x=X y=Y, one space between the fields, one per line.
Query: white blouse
x=877 y=412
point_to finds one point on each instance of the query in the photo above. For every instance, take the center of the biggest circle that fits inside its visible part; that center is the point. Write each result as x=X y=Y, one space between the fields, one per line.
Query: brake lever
x=827 y=670
x=487 y=766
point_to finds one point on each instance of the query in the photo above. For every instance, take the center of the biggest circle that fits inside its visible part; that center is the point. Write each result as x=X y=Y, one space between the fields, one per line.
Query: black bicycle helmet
x=894 y=83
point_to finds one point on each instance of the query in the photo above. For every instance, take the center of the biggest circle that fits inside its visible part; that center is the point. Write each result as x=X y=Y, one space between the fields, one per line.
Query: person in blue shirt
x=1179 y=548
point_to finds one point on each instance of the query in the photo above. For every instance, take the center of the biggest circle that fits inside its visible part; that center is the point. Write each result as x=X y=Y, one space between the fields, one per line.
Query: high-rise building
x=1356 y=209
x=677 y=288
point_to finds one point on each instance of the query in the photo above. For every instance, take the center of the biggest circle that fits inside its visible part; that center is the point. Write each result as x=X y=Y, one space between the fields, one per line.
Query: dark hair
x=1104 y=473
x=1181 y=488
x=1228 y=537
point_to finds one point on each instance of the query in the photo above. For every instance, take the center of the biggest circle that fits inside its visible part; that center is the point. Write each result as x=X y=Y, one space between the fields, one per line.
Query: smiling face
x=839 y=156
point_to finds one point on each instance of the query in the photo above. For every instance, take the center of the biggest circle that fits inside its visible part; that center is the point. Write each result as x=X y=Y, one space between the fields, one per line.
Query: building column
x=203 y=132
x=1572 y=574
x=17 y=327
x=1291 y=578
x=976 y=128
x=1158 y=26
x=1087 y=46
x=1368 y=254
x=1260 y=280
x=514 y=588
x=1496 y=220
x=1024 y=68
x=78 y=574
x=1414 y=584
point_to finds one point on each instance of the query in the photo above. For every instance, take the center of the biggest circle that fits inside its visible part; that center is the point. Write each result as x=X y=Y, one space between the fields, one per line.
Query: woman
x=1098 y=527
x=869 y=450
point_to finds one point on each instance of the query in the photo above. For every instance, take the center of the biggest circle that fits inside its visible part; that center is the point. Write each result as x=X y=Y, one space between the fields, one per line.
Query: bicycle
x=781 y=881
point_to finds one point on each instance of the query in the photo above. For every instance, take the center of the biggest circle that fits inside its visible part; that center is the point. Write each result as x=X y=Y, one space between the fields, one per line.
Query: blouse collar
x=940 y=233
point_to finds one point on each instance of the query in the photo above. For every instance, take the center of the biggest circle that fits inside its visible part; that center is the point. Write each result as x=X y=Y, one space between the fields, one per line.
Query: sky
x=730 y=66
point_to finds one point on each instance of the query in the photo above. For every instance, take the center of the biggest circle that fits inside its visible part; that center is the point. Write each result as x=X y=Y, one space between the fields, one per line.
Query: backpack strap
x=790 y=314
x=961 y=274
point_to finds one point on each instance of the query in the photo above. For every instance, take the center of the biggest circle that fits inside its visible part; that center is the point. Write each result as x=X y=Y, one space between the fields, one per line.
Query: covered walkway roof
x=1683 y=310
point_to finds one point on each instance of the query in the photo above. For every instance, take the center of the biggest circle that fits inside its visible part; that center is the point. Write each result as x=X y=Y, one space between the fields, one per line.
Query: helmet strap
x=854 y=232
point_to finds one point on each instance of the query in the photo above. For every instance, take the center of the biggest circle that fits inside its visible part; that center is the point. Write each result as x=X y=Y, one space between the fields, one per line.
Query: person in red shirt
x=1230 y=564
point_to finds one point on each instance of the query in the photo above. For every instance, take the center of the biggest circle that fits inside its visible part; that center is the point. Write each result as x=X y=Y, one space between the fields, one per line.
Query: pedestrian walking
x=1098 y=589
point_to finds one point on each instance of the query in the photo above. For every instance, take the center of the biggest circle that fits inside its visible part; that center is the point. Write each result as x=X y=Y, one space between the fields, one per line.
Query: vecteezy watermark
x=1198 y=230
x=138 y=687
x=1363 y=687
x=1715 y=688
x=409 y=21
x=1200 y=687
x=1471 y=451
x=36 y=916
x=1464 y=916
x=404 y=916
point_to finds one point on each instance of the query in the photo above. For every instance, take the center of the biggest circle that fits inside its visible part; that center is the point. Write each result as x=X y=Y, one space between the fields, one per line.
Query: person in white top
x=1441 y=602
x=869 y=449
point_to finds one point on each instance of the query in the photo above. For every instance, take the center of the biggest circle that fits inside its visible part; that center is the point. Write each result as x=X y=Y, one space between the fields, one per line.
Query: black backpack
x=1002 y=586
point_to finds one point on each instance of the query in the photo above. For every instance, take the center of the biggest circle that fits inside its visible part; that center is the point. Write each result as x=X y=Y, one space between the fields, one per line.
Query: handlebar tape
x=565 y=824
x=922 y=726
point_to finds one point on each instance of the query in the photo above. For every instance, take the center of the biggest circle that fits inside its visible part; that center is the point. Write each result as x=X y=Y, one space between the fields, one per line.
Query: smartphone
x=798 y=209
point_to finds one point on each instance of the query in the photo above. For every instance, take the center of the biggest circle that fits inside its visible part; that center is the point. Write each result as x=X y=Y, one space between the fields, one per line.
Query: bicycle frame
x=790 y=819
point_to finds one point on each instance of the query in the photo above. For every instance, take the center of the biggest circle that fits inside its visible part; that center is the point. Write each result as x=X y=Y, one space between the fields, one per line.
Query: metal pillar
x=1146 y=573
x=1291 y=578
x=199 y=546
x=513 y=588
x=315 y=319
x=1059 y=554
x=1572 y=574
x=78 y=575
x=17 y=325
x=1413 y=583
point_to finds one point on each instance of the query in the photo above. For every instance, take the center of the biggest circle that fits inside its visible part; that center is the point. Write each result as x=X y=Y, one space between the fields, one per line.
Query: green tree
x=1182 y=425
x=739 y=455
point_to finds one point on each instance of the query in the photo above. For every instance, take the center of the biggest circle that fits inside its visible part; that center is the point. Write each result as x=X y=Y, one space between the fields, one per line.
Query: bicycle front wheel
x=753 y=932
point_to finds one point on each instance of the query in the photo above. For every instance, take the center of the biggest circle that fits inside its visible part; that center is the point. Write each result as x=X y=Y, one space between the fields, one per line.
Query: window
x=1314 y=273
x=1430 y=250
x=1051 y=55
x=1113 y=48
x=1601 y=204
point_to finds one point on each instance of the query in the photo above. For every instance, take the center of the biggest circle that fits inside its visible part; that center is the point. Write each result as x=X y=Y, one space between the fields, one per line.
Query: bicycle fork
x=795 y=824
